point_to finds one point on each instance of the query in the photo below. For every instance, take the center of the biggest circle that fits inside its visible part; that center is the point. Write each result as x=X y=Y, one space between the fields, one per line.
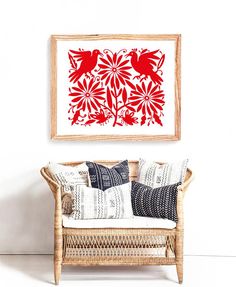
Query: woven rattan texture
x=112 y=246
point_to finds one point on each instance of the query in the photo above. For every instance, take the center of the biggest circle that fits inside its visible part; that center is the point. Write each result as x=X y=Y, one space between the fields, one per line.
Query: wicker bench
x=116 y=246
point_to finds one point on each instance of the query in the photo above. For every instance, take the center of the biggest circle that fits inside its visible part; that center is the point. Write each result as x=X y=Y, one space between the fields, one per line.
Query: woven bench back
x=133 y=168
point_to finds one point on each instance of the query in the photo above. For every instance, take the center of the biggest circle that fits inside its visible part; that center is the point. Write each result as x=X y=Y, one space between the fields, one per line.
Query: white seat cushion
x=135 y=222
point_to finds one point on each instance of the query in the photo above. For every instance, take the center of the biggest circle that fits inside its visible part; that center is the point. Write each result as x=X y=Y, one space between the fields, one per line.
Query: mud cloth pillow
x=155 y=175
x=155 y=202
x=94 y=203
x=103 y=177
x=67 y=177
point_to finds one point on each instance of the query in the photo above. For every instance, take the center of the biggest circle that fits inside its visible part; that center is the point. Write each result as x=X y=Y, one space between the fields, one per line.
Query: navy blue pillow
x=155 y=202
x=103 y=177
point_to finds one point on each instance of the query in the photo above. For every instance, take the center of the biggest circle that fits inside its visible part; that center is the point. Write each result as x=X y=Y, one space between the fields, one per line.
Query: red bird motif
x=88 y=61
x=144 y=65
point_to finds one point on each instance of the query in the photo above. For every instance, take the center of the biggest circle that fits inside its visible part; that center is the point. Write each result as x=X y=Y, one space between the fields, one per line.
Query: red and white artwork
x=116 y=88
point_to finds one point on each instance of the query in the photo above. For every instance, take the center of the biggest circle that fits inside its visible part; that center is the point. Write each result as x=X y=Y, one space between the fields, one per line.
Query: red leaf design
x=93 y=105
x=131 y=108
x=119 y=59
x=136 y=93
x=149 y=86
x=132 y=86
x=89 y=107
x=117 y=83
x=139 y=89
x=149 y=110
x=161 y=62
x=121 y=80
x=159 y=101
x=73 y=94
x=135 y=103
x=119 y=93
x=91 y=84
x=75 y=117
x=143 y=120
x=124 y=96
x=85 y=84
x=144 y=109
x=83 y=106
x=139 y=107
x=89 y=122
x=112 y=93
x=72 y=62
x=114 y=58
x=109 y=58
x=76 y=99
x=143 y=51
x=124 y=63
x=158 y=106
x=109 y=98
x=157 y=119
x=112 y=82
x=102 y=67
x=105 y=61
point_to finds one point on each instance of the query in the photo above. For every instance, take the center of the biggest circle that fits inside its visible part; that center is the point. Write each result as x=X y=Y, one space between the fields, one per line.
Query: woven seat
x=142 y=244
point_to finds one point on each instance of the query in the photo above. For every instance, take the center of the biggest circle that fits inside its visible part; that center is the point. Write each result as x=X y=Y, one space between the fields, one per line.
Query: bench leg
x=179 y=237
x=179 y=269
x=58 y=239
x=57 y=272
x=179 y=255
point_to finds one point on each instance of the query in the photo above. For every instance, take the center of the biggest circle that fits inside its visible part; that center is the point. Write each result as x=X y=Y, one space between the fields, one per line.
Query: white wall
x=208 y=113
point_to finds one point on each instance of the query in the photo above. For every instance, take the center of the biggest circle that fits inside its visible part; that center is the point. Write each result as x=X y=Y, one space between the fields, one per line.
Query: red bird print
x=88 y=61
x=144 y=65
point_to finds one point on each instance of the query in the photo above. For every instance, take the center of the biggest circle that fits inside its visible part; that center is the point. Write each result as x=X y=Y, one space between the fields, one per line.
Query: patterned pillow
x=156 y=175
x=114 y=202
x=103 y=177
x=67 y=177
x=158 y=202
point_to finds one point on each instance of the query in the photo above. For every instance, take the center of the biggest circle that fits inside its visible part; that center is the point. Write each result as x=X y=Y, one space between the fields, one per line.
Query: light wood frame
x=140 y=137
x=62 y=235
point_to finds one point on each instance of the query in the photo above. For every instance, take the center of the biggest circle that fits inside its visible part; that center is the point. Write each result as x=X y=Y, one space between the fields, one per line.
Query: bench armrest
x=54 y=186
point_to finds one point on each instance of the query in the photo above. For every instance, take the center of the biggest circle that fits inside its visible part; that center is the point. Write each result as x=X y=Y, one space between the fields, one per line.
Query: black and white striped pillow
x=155 y=202
x=155 y=175
x=103 y=177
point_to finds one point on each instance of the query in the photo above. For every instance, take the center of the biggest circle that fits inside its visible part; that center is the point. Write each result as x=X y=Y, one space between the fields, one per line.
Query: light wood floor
x=37 y=270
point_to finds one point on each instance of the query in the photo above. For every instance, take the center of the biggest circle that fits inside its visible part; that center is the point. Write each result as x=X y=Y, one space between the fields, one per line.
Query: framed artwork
x=115 y=87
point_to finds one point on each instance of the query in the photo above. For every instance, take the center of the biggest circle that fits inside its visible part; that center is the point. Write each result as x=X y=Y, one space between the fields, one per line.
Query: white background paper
x=64 y=125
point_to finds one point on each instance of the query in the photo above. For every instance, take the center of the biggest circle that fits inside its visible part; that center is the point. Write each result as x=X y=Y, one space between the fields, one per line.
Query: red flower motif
x=109 y=96
x=87 y=95
x=114 y=70
x=129 y=118
x=101 y=117
x=147 y=99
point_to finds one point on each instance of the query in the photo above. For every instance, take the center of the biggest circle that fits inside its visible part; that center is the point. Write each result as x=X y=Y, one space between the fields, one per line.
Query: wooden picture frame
x=136 y=117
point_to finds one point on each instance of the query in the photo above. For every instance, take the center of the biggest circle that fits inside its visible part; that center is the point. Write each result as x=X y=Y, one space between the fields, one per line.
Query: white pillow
x=156 y=175
x=114 y=202
x=67 y=177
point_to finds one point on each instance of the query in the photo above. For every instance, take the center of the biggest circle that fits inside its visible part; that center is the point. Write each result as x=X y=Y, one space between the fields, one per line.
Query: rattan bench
x=116 y=246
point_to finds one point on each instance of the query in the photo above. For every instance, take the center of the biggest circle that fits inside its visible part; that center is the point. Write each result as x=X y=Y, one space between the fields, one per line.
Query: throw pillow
x=155 y=202
x=156 y=175
x=103 y=177
x=67 y=177
x=114 y=202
